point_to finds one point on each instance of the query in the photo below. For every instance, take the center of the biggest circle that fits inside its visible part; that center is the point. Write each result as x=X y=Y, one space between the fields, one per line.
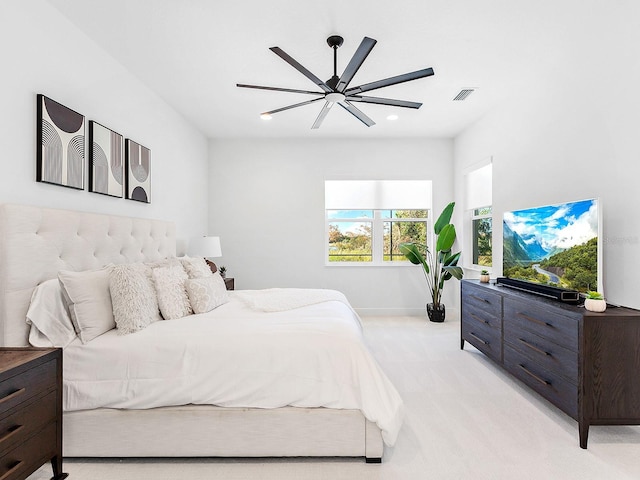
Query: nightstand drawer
x=24 y=422
x=19 y=388
x=28 y=456
x=543 y=321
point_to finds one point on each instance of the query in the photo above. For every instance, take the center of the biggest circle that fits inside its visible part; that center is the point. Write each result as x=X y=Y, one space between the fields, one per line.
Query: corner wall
x=267 y=205
x=45 y=53
x=573 y=136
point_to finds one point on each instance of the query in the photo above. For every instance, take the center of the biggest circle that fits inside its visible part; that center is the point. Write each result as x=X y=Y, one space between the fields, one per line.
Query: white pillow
x=172 y=296
x=133 y=297
x=196 y=267
x=48 y=316
x=89 y=301
x=207 y=293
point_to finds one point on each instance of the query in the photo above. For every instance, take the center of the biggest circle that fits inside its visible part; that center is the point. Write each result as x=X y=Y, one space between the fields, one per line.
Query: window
x=371 y=236
x=478 y=199
x=481 y=231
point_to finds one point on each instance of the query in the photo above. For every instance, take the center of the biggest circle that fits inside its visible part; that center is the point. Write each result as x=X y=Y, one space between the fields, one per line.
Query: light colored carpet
x=466 y=419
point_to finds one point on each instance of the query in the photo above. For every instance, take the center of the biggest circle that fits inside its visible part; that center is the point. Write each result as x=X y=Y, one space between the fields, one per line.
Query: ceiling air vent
x=464 y=93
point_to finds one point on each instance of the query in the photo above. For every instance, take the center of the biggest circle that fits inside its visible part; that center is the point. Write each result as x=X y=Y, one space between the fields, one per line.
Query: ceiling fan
x=335 y=89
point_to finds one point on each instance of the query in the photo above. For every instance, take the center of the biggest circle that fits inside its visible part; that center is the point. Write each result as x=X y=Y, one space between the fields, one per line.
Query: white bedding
x=233 y=356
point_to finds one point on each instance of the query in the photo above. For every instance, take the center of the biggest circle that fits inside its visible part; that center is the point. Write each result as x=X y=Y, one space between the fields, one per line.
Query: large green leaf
x=455 y=271
x=414 y=254
x=444 y=218
x=451 y=260
x=446 y=238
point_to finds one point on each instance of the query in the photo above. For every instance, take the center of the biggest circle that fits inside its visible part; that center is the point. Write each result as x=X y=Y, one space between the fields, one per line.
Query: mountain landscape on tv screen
x=554 y=245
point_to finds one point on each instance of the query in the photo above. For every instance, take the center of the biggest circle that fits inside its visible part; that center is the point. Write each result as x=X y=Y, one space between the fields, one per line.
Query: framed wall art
x=106 y=161
x=60 y=144
x=138 y=172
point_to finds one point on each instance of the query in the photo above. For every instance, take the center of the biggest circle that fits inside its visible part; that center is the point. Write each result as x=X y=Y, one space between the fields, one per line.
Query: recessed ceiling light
x=392 y=117
x=265 y=116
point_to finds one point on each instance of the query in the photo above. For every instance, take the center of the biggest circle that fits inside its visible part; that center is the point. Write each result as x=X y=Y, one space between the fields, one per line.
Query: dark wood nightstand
x=229 y=282
x=30 y=411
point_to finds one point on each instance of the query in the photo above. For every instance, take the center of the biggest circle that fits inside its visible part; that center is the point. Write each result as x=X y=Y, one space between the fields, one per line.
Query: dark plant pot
x=435 y=314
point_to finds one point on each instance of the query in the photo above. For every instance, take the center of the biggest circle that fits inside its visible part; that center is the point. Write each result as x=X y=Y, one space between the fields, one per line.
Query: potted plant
x=223 y=271
x=595 y=302
x=484 y=276
x=439 y=264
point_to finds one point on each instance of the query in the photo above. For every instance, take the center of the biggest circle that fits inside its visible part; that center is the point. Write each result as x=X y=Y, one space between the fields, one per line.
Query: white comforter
x=235 y=356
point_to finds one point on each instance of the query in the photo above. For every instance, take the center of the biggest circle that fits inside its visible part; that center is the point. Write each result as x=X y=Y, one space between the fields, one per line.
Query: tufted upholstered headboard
x=36 y=243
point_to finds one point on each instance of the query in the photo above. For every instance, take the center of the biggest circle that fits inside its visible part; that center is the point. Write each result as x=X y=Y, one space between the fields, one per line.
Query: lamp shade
x=207 y=247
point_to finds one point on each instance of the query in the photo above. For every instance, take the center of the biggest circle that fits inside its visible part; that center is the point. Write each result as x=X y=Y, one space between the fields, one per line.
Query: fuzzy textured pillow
x=87 y=296
x=196 y=267
x=170 y=289
x=133 y=296
x=207 y=293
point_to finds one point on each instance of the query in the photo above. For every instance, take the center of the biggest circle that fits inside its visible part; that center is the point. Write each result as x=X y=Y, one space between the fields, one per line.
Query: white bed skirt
x=209 y=431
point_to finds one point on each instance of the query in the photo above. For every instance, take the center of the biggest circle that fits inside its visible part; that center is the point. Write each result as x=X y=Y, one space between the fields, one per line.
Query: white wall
x=267 y=204
x=42 y=52
x=574 y=135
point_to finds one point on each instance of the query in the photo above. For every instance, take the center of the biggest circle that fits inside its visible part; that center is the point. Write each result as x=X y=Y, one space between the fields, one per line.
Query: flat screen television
x=555 y=245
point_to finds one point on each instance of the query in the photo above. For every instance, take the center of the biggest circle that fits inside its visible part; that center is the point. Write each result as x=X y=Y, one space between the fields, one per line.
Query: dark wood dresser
x=587 y=364
x=30 y=411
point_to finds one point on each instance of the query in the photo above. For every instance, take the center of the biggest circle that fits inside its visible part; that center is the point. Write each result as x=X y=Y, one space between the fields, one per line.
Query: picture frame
x=138 y=177
x=60 y=134
x=106 y=161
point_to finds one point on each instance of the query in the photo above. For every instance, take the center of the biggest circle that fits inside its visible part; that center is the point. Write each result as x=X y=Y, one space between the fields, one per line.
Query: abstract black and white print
x=60 y=144
x=138 y=172
x=106 y=161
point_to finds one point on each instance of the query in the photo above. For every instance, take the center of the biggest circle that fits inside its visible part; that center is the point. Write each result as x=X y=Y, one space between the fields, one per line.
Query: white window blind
x=377 y=194
x=478 y=187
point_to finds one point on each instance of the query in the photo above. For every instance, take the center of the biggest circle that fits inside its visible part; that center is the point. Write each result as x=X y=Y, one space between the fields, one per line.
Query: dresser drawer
x=544 y=322
x=28 y=456
x=541 y=350
x=485 y=338
x=479 y=299
x=19 y=388
x=25 y=421
x=554 y=388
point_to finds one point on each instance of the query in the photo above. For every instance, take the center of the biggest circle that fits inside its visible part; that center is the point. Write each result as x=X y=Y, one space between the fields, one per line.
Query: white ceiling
x=193 y=52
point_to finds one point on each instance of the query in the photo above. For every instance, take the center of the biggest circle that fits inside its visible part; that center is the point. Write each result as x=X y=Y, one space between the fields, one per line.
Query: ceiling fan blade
x=383 y=101
x=427 y=72
x=291 y=106
x=355 y=63
x=287 y=58
x=357 y=113
x=323 y=113
x=278 y=89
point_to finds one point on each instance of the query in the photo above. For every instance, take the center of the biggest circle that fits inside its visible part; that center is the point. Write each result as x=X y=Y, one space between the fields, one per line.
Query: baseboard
x=452 y=313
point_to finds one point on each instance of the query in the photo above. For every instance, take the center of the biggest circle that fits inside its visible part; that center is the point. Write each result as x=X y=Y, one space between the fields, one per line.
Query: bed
x=37 y=243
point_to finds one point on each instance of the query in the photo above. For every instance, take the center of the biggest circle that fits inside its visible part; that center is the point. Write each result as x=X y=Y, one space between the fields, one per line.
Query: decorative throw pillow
x=196 y=267
x=207 y=293
x=133 y=296
x=170 y=289
x=89 y=301
x=49 y=317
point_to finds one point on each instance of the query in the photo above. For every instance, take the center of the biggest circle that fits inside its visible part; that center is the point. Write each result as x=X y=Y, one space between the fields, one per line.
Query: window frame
x=377 y=236
x=474 y=235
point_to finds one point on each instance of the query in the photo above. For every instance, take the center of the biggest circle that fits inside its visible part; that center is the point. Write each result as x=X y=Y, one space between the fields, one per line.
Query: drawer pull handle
x=11 y=433
x=9 y=472
x=534 y=320
x=481 y=299
x=479 y=319
x=528 y=372
x=534 y=348
x=11 y=396
x=474 y=336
